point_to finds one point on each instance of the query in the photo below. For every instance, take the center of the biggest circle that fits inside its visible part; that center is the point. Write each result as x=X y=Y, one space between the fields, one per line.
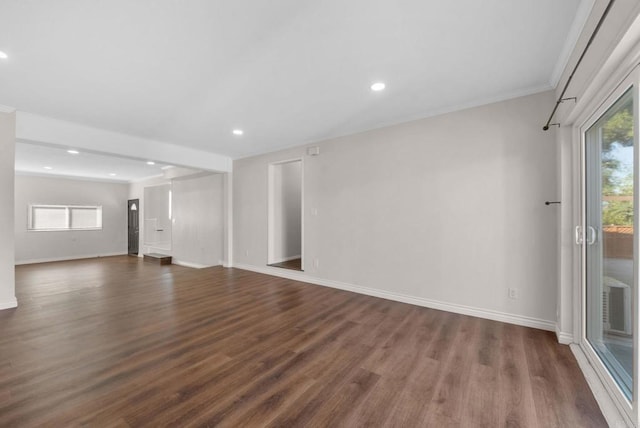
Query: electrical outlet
x=513 y=293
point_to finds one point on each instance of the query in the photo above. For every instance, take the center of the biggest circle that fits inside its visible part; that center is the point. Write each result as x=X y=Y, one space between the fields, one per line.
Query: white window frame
x=587 y=114
x=68 y=209
x=626 y=407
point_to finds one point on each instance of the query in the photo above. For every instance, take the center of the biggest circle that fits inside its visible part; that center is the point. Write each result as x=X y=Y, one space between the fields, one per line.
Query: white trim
x=228 y=217
x=64 y=259
x=8 y=304
x=191 y=265
x=614 y=69
x=271 y=210
x=564 y=337
x=419 y=301
x=584 y=122
x=614 y=417
x=577 y=26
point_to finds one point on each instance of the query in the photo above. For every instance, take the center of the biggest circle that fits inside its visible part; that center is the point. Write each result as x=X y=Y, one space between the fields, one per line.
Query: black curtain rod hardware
x=566 y=85
x=552 y=202
x=575 y=99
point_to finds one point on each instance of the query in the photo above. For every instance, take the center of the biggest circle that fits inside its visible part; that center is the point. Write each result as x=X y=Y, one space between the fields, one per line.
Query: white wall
x=197 y=208
x=156 y=225
x=198 y=223
x=287 y=214
x=7 y=159
x=41 y=246
x=446 y=212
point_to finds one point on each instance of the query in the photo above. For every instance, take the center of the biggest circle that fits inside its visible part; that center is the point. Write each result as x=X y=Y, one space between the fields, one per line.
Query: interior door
x=609 y=239
x=134 y=228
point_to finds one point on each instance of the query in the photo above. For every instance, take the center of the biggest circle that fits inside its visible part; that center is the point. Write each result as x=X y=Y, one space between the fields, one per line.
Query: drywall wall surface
x=7 y=172
x=38 y=246
x=157 y=223
x=287 y=214
x=198 y=220
x=445 y=210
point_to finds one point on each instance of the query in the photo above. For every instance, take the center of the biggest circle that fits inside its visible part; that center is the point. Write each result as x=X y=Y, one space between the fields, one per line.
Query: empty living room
x=319 y=214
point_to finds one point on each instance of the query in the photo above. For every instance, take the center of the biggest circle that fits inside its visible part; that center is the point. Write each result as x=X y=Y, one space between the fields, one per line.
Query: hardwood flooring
x=295 y=264
x=117 y=342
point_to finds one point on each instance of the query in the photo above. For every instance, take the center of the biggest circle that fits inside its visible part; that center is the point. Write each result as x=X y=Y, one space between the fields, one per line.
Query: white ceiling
x=287 y=72
x=34 y=158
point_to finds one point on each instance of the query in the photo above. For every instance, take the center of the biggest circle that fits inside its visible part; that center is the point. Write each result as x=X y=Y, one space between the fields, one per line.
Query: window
x=609 y=172
x=64 y=217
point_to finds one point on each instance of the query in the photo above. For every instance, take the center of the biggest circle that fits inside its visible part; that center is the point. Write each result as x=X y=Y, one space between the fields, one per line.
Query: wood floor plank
x=515 y=397
x=116 y=342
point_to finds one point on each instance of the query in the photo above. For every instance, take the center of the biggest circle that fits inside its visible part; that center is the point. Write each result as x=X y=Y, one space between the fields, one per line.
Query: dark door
x=134 y=205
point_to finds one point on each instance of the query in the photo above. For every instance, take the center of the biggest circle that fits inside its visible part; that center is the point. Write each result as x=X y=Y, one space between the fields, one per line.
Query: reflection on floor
x=295 y=264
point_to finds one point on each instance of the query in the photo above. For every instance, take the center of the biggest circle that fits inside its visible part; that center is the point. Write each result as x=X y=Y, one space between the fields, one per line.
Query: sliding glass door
x=609 y=235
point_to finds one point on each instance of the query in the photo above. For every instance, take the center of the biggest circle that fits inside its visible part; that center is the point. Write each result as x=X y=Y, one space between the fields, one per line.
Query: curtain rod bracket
x=551 y=202
x=575 y=99
x=546 y=127
x=575 y=67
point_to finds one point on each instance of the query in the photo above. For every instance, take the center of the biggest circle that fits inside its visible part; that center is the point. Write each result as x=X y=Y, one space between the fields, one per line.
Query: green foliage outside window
x=617 y=130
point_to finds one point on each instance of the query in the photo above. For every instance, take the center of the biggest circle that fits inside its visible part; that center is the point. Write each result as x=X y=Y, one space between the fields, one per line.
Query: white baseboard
x=419 y=301
x=564 y=337
x=609 y=410
x=63 y=259
x=189 y=264
x=8 y=304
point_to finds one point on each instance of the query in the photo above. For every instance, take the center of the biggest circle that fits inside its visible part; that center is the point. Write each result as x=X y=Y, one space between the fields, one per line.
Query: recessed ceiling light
x=73 y=152
x=3 y=55
x=238 y=132
x=378 y=86
x=47 y=167
x=151 y=163
x=113 y=174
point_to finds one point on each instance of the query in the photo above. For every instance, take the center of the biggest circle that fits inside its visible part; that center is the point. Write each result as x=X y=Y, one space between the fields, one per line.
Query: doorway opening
x=286 y=240
x=133 y=227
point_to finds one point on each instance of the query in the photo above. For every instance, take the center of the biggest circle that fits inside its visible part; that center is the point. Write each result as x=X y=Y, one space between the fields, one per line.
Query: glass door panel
x=609 y=237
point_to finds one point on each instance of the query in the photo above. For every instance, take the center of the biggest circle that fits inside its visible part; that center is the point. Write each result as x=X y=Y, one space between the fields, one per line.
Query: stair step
x=161 y=259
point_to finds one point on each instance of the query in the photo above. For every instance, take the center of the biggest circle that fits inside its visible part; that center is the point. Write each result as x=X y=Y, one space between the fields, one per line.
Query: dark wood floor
x=295 y=264
x=119 y=342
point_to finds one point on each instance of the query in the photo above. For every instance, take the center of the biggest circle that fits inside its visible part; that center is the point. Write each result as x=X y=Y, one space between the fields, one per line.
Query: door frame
x=627 y=408
x=271 y=208
x=129 y=203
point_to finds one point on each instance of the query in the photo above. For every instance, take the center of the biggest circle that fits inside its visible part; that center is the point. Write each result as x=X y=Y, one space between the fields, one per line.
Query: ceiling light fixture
x=238 y=132
x=47 y=167
x=151 y=163
x=113 y=174
x=73 y=152
x=378 y=86
x=3 y=55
